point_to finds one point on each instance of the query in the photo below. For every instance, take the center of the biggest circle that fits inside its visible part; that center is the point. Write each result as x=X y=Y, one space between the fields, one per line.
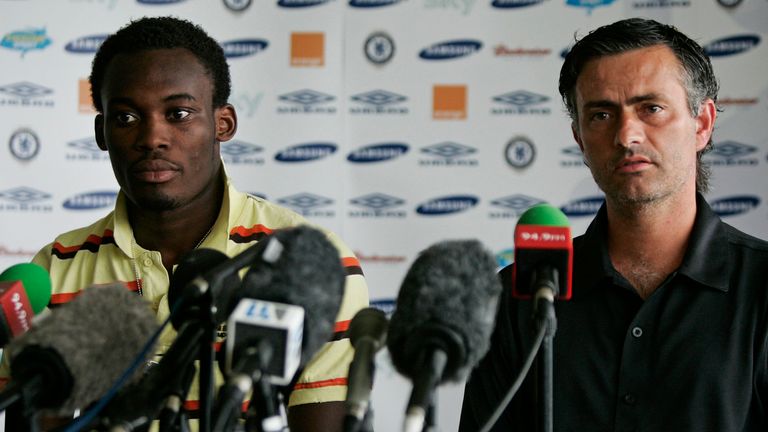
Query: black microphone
x=73 y=357
x=443 y=320
x=367 y=333
x=290 y=298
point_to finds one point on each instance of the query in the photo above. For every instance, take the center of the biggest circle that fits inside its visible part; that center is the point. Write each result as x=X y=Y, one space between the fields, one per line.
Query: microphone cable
x=518 y=380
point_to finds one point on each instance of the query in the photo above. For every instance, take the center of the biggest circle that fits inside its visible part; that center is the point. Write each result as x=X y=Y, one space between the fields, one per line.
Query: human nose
x=154 y=134
x=629 y=130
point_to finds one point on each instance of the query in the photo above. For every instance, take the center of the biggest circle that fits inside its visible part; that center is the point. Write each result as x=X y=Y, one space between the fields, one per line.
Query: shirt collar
x=705 y=260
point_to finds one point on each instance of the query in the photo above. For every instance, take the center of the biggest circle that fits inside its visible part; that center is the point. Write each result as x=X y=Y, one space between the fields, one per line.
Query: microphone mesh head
x=448 y=300
x=97 y=336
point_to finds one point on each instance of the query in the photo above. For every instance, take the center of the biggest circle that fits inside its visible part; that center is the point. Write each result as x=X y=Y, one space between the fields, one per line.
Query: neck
x=647 y=243
x=175 y=232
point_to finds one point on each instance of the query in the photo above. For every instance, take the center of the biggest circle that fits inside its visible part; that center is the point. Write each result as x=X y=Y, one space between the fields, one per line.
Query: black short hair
x=163 y=33
x=697 y=75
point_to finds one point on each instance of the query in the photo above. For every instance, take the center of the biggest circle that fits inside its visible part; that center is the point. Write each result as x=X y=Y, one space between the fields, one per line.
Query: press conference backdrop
x=396 y=123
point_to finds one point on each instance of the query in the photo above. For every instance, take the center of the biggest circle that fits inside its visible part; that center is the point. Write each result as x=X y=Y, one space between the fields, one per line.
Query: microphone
x=73 y=357
x=25 y=290
x=543 y=254
x=290 y=298
x=443 y=319
x=367 y=333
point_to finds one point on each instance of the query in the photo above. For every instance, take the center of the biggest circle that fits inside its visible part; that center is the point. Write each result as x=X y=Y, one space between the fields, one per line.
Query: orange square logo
x=449 y=102
x=307 y=49
x=84 y=104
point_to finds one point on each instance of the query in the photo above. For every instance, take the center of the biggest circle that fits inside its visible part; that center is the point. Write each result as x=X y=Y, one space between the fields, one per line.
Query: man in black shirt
x=667 y=329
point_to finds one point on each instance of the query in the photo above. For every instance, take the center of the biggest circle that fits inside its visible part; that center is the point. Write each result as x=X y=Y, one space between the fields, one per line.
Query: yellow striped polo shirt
x=106 y=251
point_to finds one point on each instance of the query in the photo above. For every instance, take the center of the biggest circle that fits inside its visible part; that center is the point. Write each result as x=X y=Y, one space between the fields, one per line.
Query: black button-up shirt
x=692 y=357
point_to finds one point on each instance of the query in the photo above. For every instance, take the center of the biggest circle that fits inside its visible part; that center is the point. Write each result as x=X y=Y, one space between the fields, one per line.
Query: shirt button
x=629 y=399
x=637 y=332
x=147 y=262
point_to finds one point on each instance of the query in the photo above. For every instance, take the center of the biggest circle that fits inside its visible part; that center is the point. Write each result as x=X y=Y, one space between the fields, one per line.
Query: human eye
x=599 y=116
x=178 y=114
x=125 y=118
x=654 y=109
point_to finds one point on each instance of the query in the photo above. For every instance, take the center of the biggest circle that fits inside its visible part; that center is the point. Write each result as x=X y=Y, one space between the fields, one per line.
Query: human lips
x=154 y=170
x=633 y=164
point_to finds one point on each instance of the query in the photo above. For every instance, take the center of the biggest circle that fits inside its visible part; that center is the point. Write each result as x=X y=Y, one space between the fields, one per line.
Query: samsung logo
x=447 y=205
x=583 y=207
x=306 y=152
x=85 y=44
x=371 y=3
x=300 y=3
x=511 y=4
x=243 y=47
x=378 y=152
x=734 y=205
x=731 y=45
x=450 y=50
x=91 y=200
x=158 y=2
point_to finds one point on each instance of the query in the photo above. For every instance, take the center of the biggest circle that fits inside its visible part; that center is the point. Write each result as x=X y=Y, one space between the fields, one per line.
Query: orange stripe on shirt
x=341 y=326
x=318 y=384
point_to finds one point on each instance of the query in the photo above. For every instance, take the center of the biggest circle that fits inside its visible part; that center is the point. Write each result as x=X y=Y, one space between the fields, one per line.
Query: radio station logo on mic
x=236 y=152
x=25 y=199
x=450 y=50
x=86 y=44
x=583 y=207
x=735 y=205
x=379 y=152
x=306 y=101
x=26 y=94
x=448 y=154
x=732 y=153
x=243 y=47
x=447 y=205
x=731 y=45
x=306 y=152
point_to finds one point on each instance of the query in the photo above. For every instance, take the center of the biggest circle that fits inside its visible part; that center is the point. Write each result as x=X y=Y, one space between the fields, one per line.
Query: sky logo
x=85 y=44
x=306 y=152
x=583 y=207
x=735 y=205
x=447 y=205
x=243 y=47
x=731 y=45
x=378 y=152
x=26 y=40
x=451 y=49
x=91 y=200
x=512 y=4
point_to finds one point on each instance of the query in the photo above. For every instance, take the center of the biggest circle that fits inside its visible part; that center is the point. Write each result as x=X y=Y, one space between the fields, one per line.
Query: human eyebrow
x=179 y=96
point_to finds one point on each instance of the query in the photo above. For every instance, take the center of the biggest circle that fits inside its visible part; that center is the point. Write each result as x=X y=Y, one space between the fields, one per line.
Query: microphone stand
x=546 y=288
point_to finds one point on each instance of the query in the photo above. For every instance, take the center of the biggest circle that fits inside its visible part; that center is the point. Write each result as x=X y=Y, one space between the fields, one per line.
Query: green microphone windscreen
x=36 y=281
x=544 y=214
